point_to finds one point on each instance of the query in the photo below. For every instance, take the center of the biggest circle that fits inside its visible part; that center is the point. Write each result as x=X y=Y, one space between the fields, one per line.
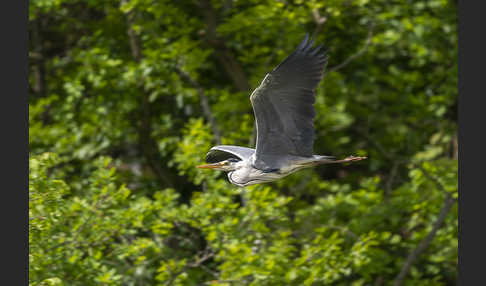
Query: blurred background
x=126 y=98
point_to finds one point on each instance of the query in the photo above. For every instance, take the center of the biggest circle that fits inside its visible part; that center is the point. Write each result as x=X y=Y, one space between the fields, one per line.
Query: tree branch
x=207 y=254
x=432 y=178
x=448 y=203
x=390 y=180
x=147 y=144
x=206 y=108
x=223 y=53
x=455 y=148
x=320 y=20
x=356 y=55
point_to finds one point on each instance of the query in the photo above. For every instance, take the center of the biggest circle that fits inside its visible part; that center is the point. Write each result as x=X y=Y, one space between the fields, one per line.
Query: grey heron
x=283 y=105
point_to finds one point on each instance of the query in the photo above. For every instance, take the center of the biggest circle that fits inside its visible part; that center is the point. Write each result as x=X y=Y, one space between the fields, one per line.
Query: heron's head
x=226 y=165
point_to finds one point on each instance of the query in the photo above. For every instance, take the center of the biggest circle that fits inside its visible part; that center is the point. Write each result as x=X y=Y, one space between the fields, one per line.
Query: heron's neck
x=237 y=165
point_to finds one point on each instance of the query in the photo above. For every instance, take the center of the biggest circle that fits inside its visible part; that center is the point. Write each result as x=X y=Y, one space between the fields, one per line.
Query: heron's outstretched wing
x=223 y=152
x=284 y=106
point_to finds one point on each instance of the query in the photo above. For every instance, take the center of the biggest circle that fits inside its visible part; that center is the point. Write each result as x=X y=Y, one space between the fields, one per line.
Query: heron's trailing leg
x=345 y=160
x=331 y=160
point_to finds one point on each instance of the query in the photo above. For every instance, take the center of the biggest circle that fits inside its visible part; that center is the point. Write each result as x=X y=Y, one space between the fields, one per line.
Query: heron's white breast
x=249 y=176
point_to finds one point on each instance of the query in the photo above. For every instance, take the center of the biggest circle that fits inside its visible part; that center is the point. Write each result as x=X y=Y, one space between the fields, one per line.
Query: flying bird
x=283 y=105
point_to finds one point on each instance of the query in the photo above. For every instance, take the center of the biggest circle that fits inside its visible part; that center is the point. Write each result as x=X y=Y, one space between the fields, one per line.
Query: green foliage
x=128 y=96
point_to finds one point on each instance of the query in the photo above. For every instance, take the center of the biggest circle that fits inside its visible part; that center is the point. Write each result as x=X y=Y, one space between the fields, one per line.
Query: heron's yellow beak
x=211 y=166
